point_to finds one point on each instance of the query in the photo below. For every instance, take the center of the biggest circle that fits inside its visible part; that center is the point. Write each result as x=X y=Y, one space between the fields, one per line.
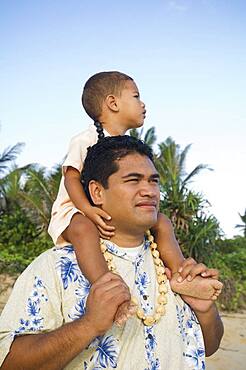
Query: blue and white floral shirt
x=52 y=291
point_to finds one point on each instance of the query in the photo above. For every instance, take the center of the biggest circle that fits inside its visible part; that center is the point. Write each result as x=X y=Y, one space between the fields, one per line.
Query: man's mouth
x=147 y=204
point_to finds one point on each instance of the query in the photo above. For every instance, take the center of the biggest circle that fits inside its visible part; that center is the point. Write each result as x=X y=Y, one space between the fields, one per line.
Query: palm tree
x=8 y=156
x=149 y=138
x=242 y=226
x=182 y=204
x=39 y=192
x=33 y=190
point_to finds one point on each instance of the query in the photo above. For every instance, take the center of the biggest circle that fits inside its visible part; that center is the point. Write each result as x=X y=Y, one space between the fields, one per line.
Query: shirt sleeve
x=77 y=152
x=33 y=307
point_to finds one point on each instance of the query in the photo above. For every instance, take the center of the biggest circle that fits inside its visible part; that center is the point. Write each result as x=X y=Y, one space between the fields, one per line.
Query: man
x=70 y=325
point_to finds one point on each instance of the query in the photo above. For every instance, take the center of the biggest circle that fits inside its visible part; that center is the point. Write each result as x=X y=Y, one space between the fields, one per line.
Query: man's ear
x=96 y=192
x=111 y=102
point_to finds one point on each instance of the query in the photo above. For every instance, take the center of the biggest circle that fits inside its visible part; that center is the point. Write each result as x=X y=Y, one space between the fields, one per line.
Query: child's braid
x=99 y=130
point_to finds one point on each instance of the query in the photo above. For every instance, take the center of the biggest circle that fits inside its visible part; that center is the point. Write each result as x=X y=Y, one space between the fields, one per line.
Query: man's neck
x=126 y=240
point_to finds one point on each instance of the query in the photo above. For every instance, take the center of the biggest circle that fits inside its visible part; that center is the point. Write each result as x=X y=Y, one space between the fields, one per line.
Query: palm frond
x=9 y=155
x=150 y=136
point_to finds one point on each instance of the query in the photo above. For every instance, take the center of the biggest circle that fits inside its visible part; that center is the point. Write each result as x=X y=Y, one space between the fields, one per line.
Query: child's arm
x=78 y=197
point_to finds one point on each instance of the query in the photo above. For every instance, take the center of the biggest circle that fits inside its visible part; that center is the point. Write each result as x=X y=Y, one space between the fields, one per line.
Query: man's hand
x=189 y=269
x=55 y=349
x=198 y=305
x=98 y=217
x=197 y=281
x=106 y=295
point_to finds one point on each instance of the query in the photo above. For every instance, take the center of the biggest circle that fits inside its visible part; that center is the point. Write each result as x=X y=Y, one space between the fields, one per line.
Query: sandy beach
x=231 y=354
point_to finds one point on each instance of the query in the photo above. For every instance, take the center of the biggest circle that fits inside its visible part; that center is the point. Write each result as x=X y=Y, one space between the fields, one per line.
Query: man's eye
x=157 y=181
x=132 y=180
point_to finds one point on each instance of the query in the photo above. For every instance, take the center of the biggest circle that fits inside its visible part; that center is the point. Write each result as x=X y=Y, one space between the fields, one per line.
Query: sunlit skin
x=123 y=112
x=132 y=199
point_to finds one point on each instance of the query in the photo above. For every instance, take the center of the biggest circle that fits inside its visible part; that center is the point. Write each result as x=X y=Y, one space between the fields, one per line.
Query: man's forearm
x=50 y=351
x=212 y=329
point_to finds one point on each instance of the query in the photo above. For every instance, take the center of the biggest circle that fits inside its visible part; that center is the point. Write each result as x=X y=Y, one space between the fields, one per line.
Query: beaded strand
x=161 y=278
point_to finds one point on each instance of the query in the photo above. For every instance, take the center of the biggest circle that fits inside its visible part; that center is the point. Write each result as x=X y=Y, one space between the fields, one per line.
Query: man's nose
x=147 y=190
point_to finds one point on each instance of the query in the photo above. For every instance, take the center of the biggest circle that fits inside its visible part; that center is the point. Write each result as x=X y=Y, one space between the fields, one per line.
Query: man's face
x=132 y=109
x=132 y=197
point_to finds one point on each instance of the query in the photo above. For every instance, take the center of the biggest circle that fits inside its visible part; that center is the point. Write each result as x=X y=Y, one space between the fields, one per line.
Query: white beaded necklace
x=161 y=277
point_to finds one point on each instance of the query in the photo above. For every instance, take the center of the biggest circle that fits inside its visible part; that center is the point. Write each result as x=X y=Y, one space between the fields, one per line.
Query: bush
x=230 y=260
x=20 y=241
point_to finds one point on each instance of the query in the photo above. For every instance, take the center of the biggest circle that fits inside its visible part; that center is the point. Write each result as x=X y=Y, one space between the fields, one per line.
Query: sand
x=231 y=354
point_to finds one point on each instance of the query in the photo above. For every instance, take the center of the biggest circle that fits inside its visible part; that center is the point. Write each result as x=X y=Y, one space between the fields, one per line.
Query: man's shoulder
x=47 y=261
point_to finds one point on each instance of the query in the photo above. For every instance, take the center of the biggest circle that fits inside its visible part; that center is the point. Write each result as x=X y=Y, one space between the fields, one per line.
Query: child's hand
x=190 y=269
x=98 y=217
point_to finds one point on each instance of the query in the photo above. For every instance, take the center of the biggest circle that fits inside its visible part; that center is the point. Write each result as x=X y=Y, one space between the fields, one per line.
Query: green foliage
x=230 y=260
x=242 y=227
x=8 y=156
x=20 y=241
x=200 y=240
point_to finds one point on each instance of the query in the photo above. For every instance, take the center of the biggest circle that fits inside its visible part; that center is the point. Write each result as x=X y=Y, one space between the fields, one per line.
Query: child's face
x=131 y=108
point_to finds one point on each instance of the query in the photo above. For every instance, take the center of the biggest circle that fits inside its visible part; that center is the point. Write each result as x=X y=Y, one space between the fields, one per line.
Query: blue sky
x=187 y=57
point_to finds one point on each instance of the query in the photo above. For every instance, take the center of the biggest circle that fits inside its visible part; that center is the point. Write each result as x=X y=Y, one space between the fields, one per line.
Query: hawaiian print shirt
x=52 y=291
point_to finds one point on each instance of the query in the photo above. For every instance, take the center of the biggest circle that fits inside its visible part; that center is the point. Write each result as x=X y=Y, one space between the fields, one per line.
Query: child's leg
x=171 y=255
x=84 y=237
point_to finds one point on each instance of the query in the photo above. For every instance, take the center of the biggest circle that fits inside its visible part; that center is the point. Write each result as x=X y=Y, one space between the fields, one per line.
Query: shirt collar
x=119 y=252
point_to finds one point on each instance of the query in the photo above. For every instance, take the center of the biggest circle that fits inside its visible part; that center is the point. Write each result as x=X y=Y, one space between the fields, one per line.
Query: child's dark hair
x=102 y=158
x=99 y=129
x=96 y=89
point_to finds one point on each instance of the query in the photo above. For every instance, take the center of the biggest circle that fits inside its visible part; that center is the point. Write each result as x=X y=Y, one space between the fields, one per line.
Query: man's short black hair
x=102 y=158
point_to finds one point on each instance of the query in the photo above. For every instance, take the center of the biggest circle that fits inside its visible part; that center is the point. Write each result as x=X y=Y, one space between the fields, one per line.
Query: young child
x=113 y=102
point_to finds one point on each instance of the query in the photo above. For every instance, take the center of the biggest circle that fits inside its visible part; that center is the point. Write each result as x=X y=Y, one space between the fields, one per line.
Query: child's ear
x=96 y=192
x=111 y=102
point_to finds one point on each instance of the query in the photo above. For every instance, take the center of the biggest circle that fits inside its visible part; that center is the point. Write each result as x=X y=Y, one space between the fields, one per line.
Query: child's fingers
x=105 y=235
x=103 y=214
x=103 y=225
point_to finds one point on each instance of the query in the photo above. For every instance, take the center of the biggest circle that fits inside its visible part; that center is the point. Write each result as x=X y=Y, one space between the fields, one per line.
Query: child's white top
x=63 y=208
